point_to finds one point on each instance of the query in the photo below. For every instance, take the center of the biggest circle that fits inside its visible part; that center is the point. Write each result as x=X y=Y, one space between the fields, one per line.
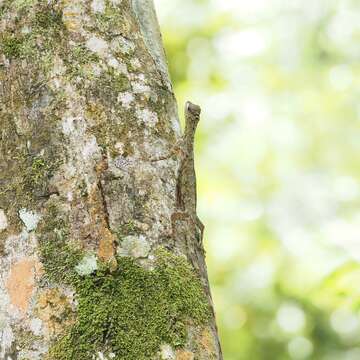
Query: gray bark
x=92 y=263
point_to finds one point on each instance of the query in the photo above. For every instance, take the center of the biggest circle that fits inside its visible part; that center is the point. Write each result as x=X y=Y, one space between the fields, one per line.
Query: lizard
x=186 y=195
x=186 y=201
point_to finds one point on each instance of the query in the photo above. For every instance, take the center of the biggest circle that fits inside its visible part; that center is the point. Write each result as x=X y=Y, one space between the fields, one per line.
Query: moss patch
x=77 y=61
x=57 y=254
x=48 y=18
x=11 y=46
x=131 y=312
x=46 y=30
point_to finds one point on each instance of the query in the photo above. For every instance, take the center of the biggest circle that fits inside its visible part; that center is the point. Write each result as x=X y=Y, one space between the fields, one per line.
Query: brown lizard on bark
x=186 y=196
x=185 y=215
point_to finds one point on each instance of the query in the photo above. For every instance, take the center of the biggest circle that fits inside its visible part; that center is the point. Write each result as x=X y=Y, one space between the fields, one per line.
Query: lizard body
x=187 y=227
x=186 y=196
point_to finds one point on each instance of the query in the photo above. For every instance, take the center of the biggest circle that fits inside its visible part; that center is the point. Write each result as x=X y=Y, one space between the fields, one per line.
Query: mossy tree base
x=130 y=313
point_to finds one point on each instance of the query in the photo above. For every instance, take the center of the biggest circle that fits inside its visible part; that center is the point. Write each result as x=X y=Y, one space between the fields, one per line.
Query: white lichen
x=96 y=69
x=139 y=87
x=123 y=45
x=68 y=126
x=101 y=356
x=3 y=220
x=97 y=45
x=87 y=265
x=135 y=246
x=147 y=117
x=117 y=65
x=167 y=353
x=90 y=148
x=36 y=326
x=126 y=98
x=98 y=6
x=29 y=218
x=115 y=2
x=6 y=339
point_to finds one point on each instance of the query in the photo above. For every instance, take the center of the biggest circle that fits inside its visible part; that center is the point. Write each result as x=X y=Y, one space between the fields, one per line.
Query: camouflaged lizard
x=186 y=196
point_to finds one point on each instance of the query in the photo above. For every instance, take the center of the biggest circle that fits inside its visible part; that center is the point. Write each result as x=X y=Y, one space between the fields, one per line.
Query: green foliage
x=132 y=311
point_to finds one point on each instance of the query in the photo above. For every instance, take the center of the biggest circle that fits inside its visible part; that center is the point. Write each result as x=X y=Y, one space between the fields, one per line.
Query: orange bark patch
x=106 y=251
x=21 y=283
x=184 y=355
x=71 y=16
x=98 y=213
x=54 y=309
x=207 y=342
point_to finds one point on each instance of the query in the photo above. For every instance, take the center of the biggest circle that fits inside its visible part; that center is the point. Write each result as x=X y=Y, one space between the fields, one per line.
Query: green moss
x=77 y=58
x=27 y=180
x=47 y=23
x=37 y=174
x=38 y=171
x=48 y=18
x=132 y=311
x=113 y=21
x=58 y=255
x=12 y=46
x=45 y=33
x=126 y=229
x=110 y=83
x=20 y=4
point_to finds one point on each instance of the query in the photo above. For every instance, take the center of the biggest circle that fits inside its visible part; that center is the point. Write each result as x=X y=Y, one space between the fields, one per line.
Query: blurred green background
x=278 y=167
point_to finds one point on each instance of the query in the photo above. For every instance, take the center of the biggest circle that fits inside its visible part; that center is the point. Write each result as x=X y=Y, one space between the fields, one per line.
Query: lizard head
x=192 y=109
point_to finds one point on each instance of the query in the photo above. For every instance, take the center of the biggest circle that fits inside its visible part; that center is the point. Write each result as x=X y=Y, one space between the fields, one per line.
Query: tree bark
x=93 y=263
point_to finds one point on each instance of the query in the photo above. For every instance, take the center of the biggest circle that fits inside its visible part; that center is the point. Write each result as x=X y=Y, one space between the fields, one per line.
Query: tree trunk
x=94 y=264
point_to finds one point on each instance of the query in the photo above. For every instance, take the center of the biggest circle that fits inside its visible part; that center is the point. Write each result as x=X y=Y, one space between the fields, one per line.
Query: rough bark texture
x=93 y=264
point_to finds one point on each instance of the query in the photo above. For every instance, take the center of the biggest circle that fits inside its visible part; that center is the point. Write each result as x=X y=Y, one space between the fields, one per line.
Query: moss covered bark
x=88 y=189
x=130 y=313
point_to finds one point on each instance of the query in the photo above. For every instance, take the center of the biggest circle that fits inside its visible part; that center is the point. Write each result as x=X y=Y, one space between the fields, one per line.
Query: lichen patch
x=3 y=220
x=135 y=246
x=115 y=2
x=36 y=326
x=6 y=339
x=167 y=352
x=87 y=265
x=29 y=218
x=140 y=88
x=207 y=343
x=98 y=6
x=126 y=98
x=147 y=117
x=97 y=45
x=117 y=65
